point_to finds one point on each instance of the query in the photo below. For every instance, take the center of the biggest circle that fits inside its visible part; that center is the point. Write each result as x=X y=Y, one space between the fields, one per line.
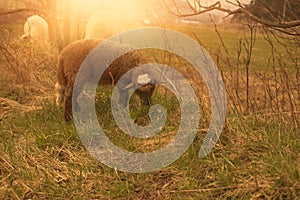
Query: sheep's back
x=103 y=24
x=122 y=65
x=74 y=54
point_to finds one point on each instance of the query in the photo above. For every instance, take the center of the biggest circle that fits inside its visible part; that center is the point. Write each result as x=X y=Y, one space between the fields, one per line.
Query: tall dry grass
x=256 y=157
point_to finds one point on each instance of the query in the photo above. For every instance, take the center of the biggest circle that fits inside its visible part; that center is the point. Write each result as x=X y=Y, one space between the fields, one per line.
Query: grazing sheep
x=71 y=58
x=36 y=29
x=103 y=24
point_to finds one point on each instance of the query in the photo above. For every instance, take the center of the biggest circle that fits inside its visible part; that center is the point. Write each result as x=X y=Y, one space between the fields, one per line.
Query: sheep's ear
x=159 y=82
x=129 y=86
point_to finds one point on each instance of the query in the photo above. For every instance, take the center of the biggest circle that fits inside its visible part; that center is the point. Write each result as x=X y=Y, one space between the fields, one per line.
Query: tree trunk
x=66 y=24
x=49 y=6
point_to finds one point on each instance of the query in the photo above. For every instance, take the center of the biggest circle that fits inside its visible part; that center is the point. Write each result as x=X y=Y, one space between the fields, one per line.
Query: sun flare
x=127 y=9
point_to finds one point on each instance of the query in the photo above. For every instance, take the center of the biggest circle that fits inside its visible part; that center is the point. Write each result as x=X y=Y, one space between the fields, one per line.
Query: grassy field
x=256 y=157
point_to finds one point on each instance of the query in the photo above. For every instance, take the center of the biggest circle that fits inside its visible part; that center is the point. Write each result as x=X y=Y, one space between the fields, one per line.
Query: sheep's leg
x=77 y=90
x=145 y=92
x=68 y=104
x=60 y=93
x=72 y=92
x=123 y=97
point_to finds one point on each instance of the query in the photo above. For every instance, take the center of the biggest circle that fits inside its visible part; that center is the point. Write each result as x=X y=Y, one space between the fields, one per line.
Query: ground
x=256 y=157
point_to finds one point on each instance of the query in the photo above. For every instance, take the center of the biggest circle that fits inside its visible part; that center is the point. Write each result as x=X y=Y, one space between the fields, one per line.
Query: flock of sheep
x=98 y=29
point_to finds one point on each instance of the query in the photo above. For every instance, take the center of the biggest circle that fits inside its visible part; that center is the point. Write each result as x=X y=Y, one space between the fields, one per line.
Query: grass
x=42 y=157
x=209 y=38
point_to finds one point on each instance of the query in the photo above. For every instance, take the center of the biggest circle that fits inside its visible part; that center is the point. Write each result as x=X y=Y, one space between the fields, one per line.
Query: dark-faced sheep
x=71 y=58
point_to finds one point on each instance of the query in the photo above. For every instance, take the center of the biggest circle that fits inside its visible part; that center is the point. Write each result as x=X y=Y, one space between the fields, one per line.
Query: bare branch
x=278 y=23
x=288 y=24
x=18 y=11
x=194 y=8
x=215 y=6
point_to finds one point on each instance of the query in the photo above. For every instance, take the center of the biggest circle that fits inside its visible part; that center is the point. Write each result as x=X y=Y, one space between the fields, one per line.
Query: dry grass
x=42 y=157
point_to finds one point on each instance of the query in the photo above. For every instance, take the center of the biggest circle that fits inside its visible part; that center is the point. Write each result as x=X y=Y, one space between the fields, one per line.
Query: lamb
x=73 y=55
x=103 y=24
x=36 y=29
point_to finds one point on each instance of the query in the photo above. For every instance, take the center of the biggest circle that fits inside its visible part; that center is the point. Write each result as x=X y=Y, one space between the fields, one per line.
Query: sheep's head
x=141 y=80
x=25 y=36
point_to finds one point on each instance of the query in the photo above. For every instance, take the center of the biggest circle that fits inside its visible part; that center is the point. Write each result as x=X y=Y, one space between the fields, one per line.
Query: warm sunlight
x=131 y=10
x=126 y=9
x=197 y=99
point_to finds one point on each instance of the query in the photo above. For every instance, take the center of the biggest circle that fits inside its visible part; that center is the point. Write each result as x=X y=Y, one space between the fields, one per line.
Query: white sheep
x=73 y=55
x=36 y=29
x=103 y=24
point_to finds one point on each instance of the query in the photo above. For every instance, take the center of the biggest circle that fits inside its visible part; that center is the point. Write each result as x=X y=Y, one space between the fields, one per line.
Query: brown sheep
x=73 y=55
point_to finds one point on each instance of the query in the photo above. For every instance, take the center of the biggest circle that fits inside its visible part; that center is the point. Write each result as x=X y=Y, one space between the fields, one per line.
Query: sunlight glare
x=126 y=9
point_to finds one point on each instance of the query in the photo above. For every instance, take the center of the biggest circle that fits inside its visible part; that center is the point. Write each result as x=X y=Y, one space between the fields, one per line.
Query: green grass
x=212 y=40
x=42 y=157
